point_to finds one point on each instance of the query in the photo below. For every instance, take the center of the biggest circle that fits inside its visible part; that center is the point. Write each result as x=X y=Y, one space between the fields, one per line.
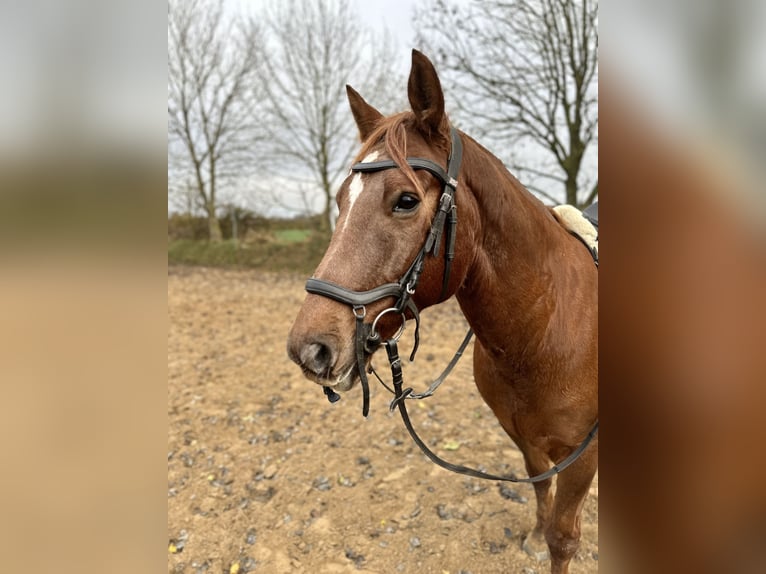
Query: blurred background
x=221 y=142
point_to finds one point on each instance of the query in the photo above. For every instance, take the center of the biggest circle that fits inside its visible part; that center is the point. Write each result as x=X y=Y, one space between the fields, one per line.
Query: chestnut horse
x=527 y=287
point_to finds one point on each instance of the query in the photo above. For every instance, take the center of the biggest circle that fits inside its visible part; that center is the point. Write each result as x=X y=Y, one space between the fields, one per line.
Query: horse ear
x=425 y=93
x=365 y=115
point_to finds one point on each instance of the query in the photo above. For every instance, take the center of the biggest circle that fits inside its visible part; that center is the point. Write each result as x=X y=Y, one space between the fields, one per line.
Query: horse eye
x=406 y=202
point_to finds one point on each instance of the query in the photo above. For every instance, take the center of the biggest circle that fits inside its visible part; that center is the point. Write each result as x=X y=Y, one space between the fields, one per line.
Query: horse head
x=387 y=209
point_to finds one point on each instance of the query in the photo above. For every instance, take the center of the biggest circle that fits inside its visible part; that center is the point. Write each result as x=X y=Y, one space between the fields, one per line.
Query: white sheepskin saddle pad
x=574 y=221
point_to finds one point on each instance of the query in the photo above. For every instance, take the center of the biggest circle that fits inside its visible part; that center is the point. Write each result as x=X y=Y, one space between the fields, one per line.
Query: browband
x=414 y=162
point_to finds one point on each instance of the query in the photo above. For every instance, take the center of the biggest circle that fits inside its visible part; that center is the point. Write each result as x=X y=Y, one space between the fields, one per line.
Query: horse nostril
x=317 y=358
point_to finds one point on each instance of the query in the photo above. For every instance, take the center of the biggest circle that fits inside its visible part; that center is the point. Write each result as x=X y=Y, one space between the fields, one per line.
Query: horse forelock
x=392 y=131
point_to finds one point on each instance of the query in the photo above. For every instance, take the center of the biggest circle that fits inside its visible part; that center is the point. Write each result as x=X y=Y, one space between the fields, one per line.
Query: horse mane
x=504 y=189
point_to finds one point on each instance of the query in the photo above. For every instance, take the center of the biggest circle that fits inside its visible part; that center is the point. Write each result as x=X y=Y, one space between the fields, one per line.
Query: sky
x=393 y=15
x=396 y=15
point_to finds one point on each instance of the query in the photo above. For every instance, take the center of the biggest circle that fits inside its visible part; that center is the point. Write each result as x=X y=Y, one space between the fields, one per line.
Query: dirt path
x=265 y=475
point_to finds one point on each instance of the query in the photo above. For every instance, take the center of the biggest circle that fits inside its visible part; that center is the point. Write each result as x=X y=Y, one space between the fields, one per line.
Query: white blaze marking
x=356 y=187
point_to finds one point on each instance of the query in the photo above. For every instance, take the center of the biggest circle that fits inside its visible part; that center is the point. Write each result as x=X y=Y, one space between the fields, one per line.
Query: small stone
x=415 y=542
x=540 y=554
x=441 y=510
x=474 y=487
x=270 y=471
x=345 y=481
x=496 y=548
x=322 y=483
x=510 y=494
x=177 y=544
x=250 y=538
x=357 y=559
x=264 y=495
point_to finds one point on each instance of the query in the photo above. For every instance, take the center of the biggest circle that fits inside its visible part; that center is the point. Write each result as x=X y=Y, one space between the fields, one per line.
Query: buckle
x=445 y=202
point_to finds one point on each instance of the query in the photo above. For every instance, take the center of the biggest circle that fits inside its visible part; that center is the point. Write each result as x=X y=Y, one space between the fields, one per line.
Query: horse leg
x=563 y=530
x=538 y=462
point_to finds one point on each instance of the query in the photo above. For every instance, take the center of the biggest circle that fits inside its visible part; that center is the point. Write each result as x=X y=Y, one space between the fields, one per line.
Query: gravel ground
x=265 y=475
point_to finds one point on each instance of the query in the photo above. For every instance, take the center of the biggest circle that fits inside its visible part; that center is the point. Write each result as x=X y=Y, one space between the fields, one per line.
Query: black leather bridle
x=367 y=338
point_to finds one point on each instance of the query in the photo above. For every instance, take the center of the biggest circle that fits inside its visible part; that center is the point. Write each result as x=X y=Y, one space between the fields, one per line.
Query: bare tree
x=524 y=72
x=212 y=71
x=184 y=197
x=315 y=48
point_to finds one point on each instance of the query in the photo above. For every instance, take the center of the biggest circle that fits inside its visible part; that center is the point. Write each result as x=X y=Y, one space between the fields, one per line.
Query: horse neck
x=513 y=286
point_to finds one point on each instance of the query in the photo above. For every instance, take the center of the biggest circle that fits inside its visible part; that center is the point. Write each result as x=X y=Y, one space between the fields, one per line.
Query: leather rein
x=367 y=338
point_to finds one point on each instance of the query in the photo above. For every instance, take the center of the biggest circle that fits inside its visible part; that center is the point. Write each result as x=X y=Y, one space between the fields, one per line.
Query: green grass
x=292 y=235
x=291 y=250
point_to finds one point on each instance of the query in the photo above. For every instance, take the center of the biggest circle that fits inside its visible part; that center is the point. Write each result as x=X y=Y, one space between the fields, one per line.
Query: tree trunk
x=571 y=187
x=324 y=224
x=213 y=226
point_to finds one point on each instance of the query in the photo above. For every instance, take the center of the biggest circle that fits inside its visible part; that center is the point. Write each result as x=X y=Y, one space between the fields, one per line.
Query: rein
x=398 y=401
x=367 y=339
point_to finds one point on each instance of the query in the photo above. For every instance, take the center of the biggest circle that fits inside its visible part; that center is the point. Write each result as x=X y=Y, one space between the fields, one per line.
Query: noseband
x=367 y=338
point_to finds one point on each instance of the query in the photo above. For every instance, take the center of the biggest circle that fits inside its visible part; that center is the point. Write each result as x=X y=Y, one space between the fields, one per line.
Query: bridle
x=367 y=339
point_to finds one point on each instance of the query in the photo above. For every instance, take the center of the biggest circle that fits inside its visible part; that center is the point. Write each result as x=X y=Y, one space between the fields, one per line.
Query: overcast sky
x=393 y=15
x=396 y=15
